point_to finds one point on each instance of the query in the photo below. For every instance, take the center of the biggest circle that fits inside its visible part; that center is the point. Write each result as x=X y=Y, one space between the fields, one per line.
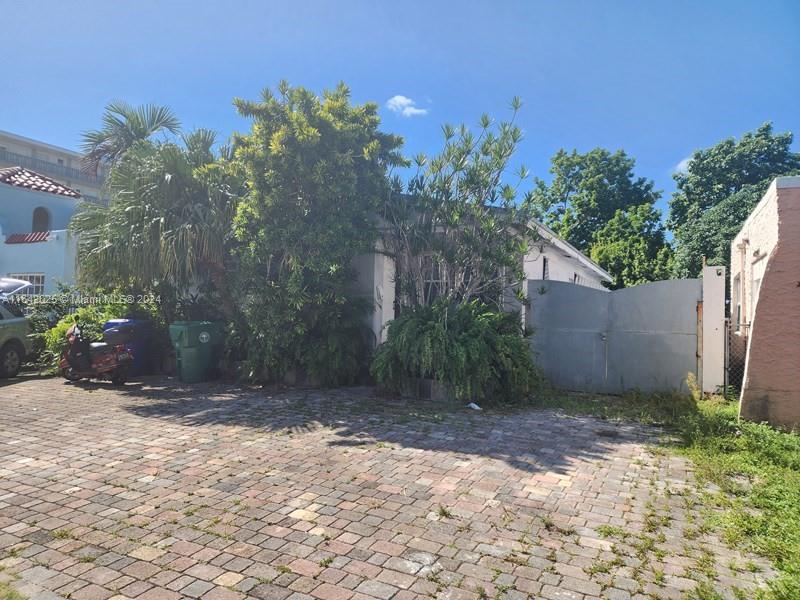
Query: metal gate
x=644 y=337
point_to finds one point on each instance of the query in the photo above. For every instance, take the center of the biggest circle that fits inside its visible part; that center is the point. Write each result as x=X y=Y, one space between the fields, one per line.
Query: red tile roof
x=31 y=180
x=27 y=238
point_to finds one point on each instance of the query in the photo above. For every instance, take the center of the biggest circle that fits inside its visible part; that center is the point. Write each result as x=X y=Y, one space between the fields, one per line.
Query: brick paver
x=216 y=492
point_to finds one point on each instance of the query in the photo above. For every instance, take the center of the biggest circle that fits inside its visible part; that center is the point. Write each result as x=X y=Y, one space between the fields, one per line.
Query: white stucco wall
x=560 y=267
x=54 y=258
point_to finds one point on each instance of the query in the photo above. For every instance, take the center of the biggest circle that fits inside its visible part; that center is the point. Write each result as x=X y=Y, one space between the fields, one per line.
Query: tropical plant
x=457 y=231
x=123 y=126
x=315 y=169
x=169 y=222
x=479 y=353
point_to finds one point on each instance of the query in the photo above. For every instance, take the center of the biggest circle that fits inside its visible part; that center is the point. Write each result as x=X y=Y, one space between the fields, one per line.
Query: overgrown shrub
x=324 y=343
x=481 y=354
x=315 y=169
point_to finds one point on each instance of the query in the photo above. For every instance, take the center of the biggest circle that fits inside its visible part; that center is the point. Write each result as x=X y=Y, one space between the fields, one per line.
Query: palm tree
x=123 y=126
x=169 y=219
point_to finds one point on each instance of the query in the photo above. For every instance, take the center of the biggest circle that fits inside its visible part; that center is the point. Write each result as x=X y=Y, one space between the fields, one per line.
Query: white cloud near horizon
x=405 y=106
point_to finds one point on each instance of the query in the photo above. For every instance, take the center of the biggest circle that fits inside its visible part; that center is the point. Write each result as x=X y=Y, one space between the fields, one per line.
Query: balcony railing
x=45 y=167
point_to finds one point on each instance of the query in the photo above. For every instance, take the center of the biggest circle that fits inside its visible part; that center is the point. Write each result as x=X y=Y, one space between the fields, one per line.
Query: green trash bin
x=198 y=345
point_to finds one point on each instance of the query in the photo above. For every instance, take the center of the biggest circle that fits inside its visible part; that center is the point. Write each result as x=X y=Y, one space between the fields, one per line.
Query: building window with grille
x=545 y=268
x=35 y=279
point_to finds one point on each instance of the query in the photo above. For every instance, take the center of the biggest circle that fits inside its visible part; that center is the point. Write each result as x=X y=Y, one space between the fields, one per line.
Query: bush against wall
x=479 y=353
x=458 y=234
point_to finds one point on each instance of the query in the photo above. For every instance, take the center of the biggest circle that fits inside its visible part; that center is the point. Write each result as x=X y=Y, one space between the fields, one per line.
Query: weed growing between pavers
x=748 y=477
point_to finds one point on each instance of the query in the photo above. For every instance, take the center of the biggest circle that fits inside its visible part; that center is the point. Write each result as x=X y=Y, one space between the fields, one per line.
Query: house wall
x=765 y=281
x=17 y=206
x=375 y=282
x=54 y=258
x=560 y=267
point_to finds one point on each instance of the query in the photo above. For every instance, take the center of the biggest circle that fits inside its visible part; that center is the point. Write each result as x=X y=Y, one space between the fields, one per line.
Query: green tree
x=168 y=222
x=596 y=203
x=631 y=246
x=720 y=187
x=123 y=126
x=587 y=190
x=458 y=222
x=714 y=174
x=316 y=172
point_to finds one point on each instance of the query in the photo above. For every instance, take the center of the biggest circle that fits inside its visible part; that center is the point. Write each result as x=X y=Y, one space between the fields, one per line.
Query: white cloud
x=683 y=166
x=405 y=106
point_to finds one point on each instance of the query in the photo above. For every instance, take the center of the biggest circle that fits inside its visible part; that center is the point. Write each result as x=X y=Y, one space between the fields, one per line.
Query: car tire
x=11 y=356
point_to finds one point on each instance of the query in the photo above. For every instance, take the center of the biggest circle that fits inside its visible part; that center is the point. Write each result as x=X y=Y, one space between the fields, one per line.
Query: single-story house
x=549 y=258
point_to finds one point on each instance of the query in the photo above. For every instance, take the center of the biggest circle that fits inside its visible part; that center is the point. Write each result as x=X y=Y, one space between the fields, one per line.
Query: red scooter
x=108 y=359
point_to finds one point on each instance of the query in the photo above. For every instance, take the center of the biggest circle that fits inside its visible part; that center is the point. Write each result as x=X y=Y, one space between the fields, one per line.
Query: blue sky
x=658 y=79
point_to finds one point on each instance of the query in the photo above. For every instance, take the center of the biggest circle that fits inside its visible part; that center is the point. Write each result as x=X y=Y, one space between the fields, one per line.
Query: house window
x=432 y=277
x=35 y=279
x=41 y=219
x=545 y=268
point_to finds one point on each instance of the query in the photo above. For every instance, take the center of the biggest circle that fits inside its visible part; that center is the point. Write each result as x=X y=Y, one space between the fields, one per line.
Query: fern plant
x=479 y=353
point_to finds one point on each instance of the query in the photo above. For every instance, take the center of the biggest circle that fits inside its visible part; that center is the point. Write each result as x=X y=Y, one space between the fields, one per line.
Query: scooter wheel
x=120 y=376
x=69 y=374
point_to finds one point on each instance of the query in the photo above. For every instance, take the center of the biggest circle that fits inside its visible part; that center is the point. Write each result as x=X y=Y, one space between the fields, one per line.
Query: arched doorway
x=41 y=219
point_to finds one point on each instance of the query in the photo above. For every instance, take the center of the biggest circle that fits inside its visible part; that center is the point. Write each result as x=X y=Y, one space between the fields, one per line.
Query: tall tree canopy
x=596 y=203
x=720 y=187
x=316 y=172
x=632 y=246
x=587 y=190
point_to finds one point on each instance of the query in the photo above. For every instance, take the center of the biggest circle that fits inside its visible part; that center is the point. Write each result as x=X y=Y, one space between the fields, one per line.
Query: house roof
x=27 y=238
x=571 y=251
x=31 y=180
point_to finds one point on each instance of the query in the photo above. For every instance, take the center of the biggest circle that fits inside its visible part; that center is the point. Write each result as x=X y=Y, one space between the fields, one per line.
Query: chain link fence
x=735 y=354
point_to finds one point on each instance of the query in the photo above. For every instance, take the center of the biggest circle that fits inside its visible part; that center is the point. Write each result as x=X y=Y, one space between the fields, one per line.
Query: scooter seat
x=96 y=348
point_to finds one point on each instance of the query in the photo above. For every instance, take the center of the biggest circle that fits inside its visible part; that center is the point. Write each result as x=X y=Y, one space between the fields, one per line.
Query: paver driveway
x=217 y=492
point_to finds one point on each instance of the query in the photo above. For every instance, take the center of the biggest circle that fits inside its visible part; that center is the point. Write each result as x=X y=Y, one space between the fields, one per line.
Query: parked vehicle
x=15 y=344
x=109 y=359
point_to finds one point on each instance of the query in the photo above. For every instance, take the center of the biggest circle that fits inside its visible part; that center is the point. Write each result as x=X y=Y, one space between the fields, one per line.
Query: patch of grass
x=755 y=467
x=612 y=531
x=63 y=534
x=444 y=512
x=326 y=562
x=9 y=593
